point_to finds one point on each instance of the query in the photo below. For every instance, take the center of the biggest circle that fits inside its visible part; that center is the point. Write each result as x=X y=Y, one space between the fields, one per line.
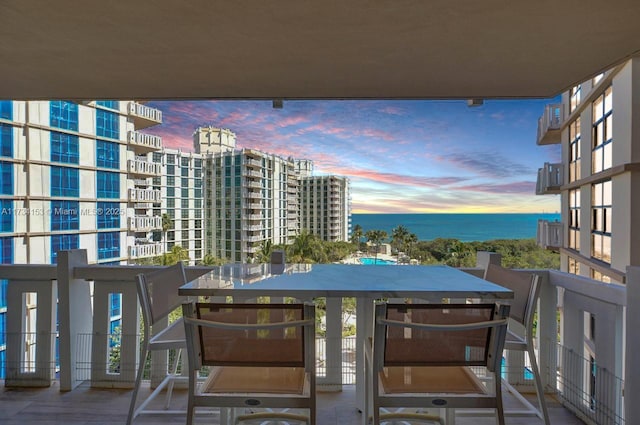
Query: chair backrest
x=439 y=334
x=258 y=335
x=525 y=289
x=158 y=292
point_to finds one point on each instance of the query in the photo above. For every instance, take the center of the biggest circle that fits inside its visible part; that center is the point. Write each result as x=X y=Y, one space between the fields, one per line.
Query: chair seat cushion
x=438 y=380
x=274 y=380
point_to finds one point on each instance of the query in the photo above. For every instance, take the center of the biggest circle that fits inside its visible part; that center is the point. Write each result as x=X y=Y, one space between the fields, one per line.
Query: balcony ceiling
x=208 y=49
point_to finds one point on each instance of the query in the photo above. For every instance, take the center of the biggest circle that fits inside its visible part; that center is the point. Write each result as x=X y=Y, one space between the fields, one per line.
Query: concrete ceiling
x=298 y=49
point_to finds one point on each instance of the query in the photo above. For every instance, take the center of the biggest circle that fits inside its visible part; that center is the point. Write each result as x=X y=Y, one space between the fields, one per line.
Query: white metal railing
x=549 y=234
x=145 y=222
x=550 y=178
x=252 y=173
x=252 y=162
x=549 y=123
x=137 y=166
x=148 y=142
x=254 y=184
x=145 y=195
x=145 y=250
x=78 y=295
x=142 y=111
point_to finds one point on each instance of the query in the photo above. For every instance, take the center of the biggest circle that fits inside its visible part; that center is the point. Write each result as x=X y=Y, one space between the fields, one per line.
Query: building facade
x=76 y=175
x=597 y=125
x=325 y=207
x=182 y=202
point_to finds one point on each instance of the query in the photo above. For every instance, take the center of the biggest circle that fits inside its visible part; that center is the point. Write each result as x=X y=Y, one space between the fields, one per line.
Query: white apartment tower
x=77 y=175
x=247 y=198
x=325 y=207
x=182 y=195
x=598 y=125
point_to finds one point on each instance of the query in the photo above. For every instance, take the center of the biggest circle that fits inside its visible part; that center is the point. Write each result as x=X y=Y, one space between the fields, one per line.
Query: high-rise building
x=182 y=201
x=325 y=207
x=598 y=180
x=76 y=175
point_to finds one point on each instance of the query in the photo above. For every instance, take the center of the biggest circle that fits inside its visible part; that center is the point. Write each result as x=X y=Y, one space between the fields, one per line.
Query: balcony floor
x=86 y=406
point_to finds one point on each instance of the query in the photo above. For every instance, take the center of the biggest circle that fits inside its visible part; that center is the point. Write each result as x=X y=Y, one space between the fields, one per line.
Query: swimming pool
x=380 y=262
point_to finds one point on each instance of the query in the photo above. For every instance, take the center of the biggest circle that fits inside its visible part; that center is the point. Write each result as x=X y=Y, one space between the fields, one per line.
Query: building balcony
x=144 y=143
x=141 y=182
x=549 y=124
x=254 y=163
x=549 y=234
x=254 y=227
x=144 y=116
x=252 y=217
x=145 y=223
x=145 y=195
x=85 y=366
x=251 y=238
x=252 y=173
x=145 y=250
x=550 y=179
x=252 y=184
x=138 y=167
x=249 y=194
x=253 y=205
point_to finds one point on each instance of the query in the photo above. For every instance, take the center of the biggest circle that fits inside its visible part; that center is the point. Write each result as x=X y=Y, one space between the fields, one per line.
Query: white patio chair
x=526 y=288
x=158 y=296
x=261 y=359
x=422 y=359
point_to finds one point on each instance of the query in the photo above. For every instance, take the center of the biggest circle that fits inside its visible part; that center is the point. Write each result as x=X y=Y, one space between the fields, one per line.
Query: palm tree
x=356 y=235
x=172 y=257
x=376 y=237
x=167 y=224
x=399 y=237
x=411 y=240
x=264 y=255
x=211 y=260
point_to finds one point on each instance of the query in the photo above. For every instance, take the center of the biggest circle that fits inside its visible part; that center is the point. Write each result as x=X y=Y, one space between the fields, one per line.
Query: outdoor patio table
x=365 y=283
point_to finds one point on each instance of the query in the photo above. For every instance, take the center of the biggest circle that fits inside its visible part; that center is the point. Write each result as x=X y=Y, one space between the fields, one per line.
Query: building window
x=63 y=114
x=107 y=154
x=6 y=178
x=601 y=201
x=108 y=184
x=596 y=275
x=6 y=109
x=115 y=305
x=107 y=124
x=64 y=148
x=574 y=150
x=171 y=202
x=111 y=104
x=6 y=251
x=108 y=245
x=108 y=215
x=597 y=78
x=62 y=243
x=65 y=182
x=602 y=132
x=574 y=97
x=171 y=159
x=64 y=215
x=171 y=169
x=6 y=215
x=6 y=140
x=574 y=219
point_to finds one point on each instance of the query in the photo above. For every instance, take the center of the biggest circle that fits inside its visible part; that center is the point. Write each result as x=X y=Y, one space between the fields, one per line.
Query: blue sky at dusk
x=401 y=156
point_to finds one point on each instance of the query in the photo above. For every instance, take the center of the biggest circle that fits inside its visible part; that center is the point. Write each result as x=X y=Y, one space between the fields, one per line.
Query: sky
x=401 y=156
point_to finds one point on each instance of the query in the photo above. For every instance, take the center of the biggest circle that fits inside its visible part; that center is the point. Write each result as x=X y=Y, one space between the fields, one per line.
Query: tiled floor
x=86 y=406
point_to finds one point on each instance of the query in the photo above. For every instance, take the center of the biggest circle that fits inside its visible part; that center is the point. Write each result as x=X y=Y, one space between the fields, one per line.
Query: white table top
x=337 y=280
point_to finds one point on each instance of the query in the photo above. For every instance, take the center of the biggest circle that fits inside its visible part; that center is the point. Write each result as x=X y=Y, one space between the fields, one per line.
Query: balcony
x=550 y=179
x=138 y=167
x=252 y=217
x=144 y=223
x=255 y=163
x=144 y=143
x=145 y=250
x=253 y=184
x=144 y=116
x=84 y=341
x=252 y=173
x=549 y=124
x=145 y=195
x=549 y=234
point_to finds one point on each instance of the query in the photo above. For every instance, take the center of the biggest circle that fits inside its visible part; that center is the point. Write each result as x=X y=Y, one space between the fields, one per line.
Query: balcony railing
x=144 y=116
x=550 y=179
x=145 y=223
x=144 y=143
x=549 y=234
x=145 y=250
x=549 y=124
x=72 y=300
x=144 y=168
x=145 y=195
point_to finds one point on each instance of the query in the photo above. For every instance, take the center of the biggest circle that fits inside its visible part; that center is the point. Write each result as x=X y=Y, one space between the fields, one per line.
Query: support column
x=333 y=350
x=632 y=367
x=547 y=334
x=74 y=316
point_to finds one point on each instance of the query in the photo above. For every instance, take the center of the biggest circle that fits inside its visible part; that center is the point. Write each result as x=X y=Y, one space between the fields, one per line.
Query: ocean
x=464 y=227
